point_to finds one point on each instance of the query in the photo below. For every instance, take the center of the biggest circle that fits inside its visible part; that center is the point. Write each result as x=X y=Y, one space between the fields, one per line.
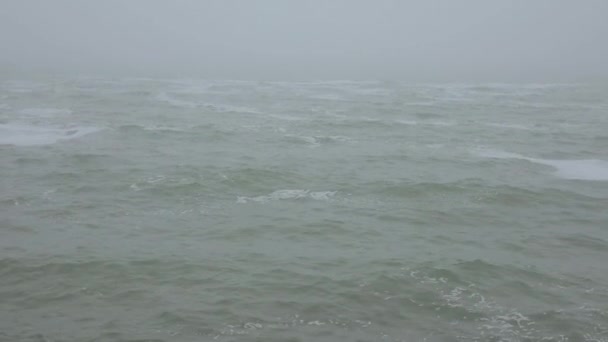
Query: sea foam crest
x=25 y=135
x=581 y=169
x=289 y=194
x=164 y=97
x=176 y=102
x=515 y=126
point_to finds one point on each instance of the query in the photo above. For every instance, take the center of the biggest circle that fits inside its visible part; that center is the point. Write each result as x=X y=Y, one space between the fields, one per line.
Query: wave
x=44 y=112
x=286 y=117
x=579 y=169
x=429 y=123
x=25 y=135
x=23 y=86
x=161 y=128
x=164 y=97
x=460 y=292
x=223 y=108
x=513 y=126
x=289 y=195
x=316 y=141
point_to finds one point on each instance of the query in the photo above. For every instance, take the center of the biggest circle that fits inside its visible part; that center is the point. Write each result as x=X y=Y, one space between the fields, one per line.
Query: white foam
x=440 y=123
x=497 y=154
x=511 y=126
x=231 y=108
x=160 y=128
x=585 y=169
x=24 y=135
x=322 y=195
x=335 y=138
x=289 y=194
x=316 y=141
x=506 y=323
x=429 y=123
x=582 y=169
x=164 y=97
x=309 y=140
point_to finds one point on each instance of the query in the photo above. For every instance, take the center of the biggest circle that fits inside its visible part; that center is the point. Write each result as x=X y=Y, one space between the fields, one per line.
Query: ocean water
x=192 y=210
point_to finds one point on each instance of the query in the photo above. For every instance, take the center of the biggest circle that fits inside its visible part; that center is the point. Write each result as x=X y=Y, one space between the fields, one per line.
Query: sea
x=142 y=209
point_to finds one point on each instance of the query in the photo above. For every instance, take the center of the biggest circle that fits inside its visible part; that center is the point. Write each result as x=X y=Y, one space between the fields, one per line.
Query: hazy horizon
x=434 y=41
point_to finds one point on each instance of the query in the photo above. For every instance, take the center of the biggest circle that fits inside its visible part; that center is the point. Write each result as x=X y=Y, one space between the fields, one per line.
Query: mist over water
x=414 y=41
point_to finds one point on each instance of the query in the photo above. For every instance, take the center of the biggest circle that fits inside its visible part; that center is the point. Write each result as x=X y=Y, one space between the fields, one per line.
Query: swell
x=373 y=298
x=175 y=134
x=478 y=191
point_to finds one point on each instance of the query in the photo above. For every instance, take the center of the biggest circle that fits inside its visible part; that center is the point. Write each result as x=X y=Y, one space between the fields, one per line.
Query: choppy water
x=178 y=210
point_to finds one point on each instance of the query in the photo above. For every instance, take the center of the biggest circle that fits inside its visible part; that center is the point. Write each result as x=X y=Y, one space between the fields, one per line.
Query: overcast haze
x=482 y=40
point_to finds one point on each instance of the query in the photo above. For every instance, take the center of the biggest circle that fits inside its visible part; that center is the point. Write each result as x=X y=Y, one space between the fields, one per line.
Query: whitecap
x=289 y=194
x=316 y=141
x=584 y=169
x=176 y=102
x=24 y=135
x=231 y=108
x=428 y=123
x=311 y=141
x=164 y=97
x=511 y=126
x=160 y=128
x=321 y=195
x=334 y=138
x=581 y=169
x=440 y=123
x=497 y=154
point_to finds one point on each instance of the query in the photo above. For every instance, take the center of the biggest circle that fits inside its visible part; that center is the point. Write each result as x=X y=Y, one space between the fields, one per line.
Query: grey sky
x=442 y=40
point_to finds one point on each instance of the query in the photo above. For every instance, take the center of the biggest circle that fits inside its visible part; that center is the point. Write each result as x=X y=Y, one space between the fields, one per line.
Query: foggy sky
x=442 y=40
